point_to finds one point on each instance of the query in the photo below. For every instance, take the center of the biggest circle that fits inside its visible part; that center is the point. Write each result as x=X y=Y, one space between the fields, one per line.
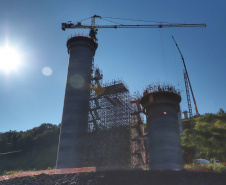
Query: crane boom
x=187 y=78
x=80 y=26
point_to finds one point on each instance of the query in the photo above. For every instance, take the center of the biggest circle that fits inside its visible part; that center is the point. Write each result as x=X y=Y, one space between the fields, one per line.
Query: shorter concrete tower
x=161 y=106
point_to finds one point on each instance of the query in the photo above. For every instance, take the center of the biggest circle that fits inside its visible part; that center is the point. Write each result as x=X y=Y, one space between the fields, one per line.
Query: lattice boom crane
x=187 y=82
x=93 y=28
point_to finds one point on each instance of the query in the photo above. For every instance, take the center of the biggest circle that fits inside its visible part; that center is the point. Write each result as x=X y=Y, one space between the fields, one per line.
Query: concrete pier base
x=164 y=145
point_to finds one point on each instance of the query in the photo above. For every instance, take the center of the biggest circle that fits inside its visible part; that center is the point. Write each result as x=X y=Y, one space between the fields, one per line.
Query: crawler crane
x=187 y=82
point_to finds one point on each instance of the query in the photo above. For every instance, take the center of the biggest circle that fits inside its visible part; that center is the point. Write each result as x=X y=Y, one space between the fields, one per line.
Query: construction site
x=114 y=135
x=103 y=124
x=115 y=132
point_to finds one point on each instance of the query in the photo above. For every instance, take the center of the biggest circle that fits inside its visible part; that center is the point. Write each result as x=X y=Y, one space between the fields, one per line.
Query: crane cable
x=134 y=20
x=111 y=21
x=175 y=61
x=163 y=55
x=102 y=19
x=85 y=19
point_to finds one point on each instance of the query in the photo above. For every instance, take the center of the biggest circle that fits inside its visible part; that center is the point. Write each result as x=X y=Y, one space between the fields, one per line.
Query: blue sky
x=139 y=56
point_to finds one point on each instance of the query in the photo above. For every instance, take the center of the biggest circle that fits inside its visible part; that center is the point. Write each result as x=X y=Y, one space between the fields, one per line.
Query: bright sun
x=9 y=59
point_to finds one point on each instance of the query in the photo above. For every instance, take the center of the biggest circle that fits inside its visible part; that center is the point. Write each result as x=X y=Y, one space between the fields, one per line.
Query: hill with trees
x=33 y=149
x=37 y=148
x=207 y=139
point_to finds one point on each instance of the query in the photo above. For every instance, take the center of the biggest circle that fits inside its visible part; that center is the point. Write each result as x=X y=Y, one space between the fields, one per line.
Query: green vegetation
x=37 y=148
x=210 y=137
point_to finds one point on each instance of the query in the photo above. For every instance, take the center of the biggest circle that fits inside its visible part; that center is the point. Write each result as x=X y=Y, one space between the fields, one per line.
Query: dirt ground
x=131 y=177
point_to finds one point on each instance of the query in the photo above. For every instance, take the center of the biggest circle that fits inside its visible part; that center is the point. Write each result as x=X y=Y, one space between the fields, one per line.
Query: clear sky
x=140 y=57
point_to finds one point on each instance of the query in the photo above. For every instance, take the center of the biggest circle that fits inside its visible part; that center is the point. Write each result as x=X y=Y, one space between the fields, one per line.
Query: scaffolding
x=108 y=144
x=137 y=135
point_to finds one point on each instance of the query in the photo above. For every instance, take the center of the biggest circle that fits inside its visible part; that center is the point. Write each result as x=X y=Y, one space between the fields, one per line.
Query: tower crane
x=94 y=28
x=187 y=82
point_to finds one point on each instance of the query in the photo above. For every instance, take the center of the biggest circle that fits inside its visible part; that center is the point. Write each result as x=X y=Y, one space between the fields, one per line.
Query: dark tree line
x=37 y=148
x=26 y=150
x=43 y=135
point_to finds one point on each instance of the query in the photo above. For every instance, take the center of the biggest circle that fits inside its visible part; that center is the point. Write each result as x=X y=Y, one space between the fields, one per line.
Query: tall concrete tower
x=76 y=103
x=161 y=105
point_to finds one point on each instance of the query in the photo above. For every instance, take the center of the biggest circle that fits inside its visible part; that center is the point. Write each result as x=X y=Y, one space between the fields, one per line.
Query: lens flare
x=47 y=71
x=76 y=81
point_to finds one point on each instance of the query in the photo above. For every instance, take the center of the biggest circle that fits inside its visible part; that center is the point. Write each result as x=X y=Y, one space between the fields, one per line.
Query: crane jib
x=79 y=26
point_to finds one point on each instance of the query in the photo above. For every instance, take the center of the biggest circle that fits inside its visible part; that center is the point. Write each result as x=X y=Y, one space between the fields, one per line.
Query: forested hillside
x=209 y=140
x=37 y=148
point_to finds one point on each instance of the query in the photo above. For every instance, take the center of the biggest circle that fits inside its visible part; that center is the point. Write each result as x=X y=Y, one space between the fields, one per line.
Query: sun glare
x=9 y=59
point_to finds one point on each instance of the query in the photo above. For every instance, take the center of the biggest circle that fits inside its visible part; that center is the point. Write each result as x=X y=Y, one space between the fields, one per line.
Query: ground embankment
x=124 y=178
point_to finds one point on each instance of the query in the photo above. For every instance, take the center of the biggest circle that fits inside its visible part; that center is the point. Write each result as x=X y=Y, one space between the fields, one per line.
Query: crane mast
x=187 y=93
x=187 y=82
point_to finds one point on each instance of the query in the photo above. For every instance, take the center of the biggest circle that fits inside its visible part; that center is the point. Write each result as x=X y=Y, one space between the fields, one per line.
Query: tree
x=210 y=134
x=221 y=111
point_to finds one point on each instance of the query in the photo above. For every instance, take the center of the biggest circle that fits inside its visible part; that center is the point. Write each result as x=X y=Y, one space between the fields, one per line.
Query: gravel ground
x=131 y=177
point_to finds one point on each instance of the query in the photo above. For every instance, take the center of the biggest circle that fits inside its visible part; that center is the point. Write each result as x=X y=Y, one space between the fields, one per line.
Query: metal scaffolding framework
x=116 y=138
x=108 y=144
x=137 y=135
